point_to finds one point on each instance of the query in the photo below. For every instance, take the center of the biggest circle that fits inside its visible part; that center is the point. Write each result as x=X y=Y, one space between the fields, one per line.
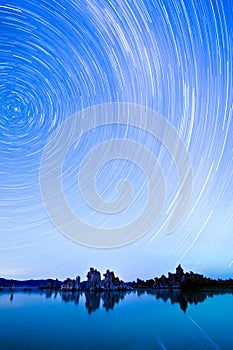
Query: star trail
x=58 y=58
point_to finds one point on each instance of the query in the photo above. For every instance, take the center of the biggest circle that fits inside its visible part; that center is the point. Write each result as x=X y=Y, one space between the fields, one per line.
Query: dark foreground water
x=145 y=320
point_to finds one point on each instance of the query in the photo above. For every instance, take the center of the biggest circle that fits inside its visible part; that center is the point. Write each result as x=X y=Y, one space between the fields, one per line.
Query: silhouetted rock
x=179 y=272
x=177 y=280
x=93 y=280
x=95 y=284
x=69 y=285
x=110 y=282
x=180 y=280
x=78 y=283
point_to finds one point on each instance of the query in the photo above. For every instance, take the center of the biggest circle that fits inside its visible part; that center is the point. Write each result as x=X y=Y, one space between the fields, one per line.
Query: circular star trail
x=58 y=58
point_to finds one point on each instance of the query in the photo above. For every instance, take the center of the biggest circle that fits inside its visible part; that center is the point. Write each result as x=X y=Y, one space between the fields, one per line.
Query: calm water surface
x=145 y=320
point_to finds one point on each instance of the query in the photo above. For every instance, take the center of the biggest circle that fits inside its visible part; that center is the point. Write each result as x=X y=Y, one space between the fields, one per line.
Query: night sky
x=59 y=58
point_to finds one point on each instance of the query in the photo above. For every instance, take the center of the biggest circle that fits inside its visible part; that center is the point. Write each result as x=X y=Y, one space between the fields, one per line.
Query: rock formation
x=93 y=280
x=94 y=283
x=180 y=280
x=110 y=282
x=68 y=285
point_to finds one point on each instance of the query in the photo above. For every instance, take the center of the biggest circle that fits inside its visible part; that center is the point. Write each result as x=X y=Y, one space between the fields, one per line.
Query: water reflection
x=108 y=300
x=94 y=301
x=112 y=298
x=71 y=297
x=142 y=319
x=184 y=298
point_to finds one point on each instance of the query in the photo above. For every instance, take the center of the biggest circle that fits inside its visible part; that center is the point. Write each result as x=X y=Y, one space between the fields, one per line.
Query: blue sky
x=60 y=57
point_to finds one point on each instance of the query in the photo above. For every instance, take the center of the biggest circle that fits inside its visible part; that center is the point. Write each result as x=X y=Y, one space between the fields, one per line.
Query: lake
x=116 y=320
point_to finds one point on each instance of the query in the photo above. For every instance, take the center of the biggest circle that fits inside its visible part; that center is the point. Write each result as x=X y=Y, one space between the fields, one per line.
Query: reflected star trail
x=60 y=57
